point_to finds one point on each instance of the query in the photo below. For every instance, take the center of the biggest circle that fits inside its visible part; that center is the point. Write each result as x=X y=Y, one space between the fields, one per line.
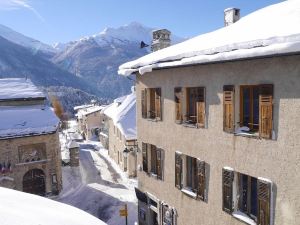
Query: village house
x=89 y=121
x=121 y=119
x=218 y=124
x=30 y=159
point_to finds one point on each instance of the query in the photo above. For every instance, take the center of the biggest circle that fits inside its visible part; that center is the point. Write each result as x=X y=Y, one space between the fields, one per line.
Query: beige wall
x=117 y=144
x=9 y=150
x=91 y=121
x=277 y=160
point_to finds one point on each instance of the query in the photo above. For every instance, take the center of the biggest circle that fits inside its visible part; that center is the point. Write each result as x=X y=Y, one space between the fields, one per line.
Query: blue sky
x=53 y=21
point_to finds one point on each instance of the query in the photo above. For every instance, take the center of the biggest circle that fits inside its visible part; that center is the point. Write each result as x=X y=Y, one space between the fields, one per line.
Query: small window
x=191 y=173
x=250 y=107
x=156 y=160
x=195 y=106
x=151 y=103
x=248 y=195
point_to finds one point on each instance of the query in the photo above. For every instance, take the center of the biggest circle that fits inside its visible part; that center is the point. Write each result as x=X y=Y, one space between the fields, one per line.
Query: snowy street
x=98 y=186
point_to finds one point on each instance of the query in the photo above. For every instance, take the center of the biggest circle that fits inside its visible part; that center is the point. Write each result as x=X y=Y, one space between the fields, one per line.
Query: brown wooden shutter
x=200 y=107
x=227 y=190
x=159 y=158
x=228 y=108
x=158 y=103
x=178 y=170
x=266 y=110
x=144 y=103
x=145 y=157
x=201 y=179
x=178 y=104
x=264 y=202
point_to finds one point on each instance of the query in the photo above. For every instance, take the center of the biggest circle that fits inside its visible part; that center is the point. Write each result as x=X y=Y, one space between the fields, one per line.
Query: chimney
x=161 y=39
x=231 y=15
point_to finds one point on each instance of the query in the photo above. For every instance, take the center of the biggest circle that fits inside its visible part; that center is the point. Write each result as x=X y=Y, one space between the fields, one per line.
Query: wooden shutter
x=178 y=170
x=264 y=202
x=201 y=179
x=144 y=103
x=227 y=190
x=159 y=158
x=178 y=104
x=266 y=110
x=158 y=103
x=200 y=105
x=228 y=108
x=145 y=157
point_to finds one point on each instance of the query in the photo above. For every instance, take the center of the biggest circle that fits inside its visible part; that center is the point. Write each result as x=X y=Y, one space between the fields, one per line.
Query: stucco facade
x=31 y=153
x=117 y=145
x=276 y=159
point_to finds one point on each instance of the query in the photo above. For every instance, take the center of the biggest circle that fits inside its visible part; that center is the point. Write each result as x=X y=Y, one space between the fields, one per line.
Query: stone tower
x=231 y=15
x=161 y=39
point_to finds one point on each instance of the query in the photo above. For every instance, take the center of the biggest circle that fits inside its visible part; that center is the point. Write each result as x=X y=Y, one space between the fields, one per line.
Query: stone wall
x=27 y=153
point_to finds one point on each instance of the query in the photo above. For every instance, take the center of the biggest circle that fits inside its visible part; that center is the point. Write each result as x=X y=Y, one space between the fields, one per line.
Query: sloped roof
x=273 y=30
x=19 y=88
x=124 y=115
x=27 y=121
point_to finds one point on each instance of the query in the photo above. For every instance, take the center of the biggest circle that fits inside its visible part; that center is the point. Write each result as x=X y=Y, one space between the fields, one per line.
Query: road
x=98 y=187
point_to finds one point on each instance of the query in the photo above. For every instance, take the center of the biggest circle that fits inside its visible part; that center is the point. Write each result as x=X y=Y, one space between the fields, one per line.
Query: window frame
x=251 y=98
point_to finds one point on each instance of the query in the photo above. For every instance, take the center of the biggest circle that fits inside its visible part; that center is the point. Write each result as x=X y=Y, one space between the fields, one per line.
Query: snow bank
x=18 y=88
x=271 y=30
x=123 y=113
x=27 y=120
x=18 y=208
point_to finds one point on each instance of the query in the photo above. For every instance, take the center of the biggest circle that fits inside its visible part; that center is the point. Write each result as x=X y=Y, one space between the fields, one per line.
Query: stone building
x=30 y=159
x=218 y=125
x=121 y=119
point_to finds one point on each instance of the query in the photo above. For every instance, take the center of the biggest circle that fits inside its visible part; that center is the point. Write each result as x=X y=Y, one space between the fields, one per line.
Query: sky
x=52 y=21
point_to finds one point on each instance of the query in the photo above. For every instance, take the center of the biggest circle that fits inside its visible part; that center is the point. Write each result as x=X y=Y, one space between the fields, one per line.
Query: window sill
x=245 y=134
x=189 y=125
x=188 y=192
x=244 y=218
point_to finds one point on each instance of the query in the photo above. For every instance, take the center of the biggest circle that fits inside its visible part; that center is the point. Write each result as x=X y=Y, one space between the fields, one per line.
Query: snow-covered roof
x=124 y=115
x=19 y=208
x=89 y=110
x=82 y=107
x=273 y=30
x=18 y=121
x=73 y=144
x=18 y=88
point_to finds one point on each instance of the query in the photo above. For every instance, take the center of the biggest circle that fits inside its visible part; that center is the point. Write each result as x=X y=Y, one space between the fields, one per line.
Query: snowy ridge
x=24 y=41
x=21 y=208
x=271 y=30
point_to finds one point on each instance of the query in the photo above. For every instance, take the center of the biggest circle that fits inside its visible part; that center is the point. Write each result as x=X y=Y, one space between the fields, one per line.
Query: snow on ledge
x=243 y=217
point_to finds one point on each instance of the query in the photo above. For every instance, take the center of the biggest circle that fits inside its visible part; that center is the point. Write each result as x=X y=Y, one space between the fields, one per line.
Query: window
x=178 y=104
x=154 y=164
x=195 y=106
x=151 y=103
x=256 y=110
x=250 y=107
x=190 y=175
x=246 y=196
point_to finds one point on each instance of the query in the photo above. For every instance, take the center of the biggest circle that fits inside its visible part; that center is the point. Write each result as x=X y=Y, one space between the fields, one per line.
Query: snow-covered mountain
x=96 y=58
x=27 y=42
x=132 y=32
